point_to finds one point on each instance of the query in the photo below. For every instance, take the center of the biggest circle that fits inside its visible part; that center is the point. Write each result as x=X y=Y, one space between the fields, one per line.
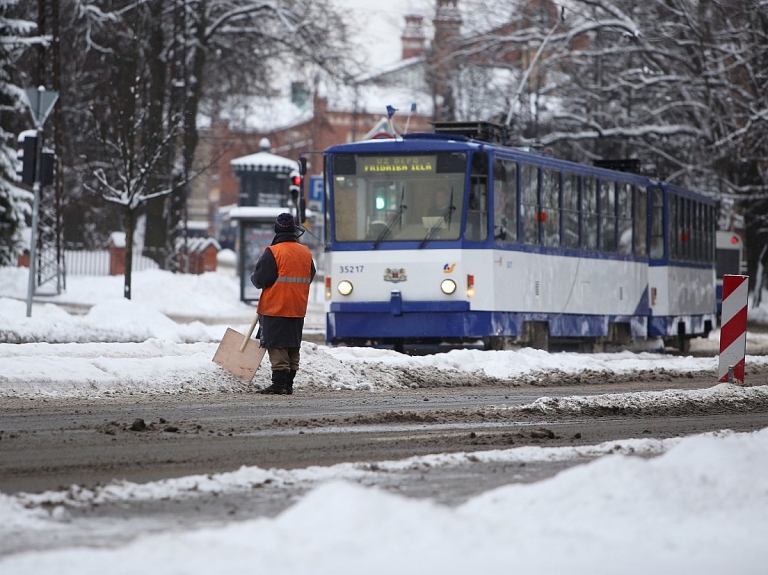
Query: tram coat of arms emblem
x=395 y=275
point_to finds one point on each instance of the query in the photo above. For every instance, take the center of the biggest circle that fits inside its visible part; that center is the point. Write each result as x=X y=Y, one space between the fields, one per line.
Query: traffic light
x=26 y=154
x=294 y=186
x=295 y=182
x=46 y=170
x=26 y=151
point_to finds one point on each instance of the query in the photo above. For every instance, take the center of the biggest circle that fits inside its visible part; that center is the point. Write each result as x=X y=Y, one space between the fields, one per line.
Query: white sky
x=379 y=25
x=700 y=507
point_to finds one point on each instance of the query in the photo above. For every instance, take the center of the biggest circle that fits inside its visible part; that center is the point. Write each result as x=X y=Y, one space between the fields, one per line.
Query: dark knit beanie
x=284 y=224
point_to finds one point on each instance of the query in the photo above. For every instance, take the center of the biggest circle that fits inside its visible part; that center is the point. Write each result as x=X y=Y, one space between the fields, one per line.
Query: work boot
x=279 y=383
x=291 y=375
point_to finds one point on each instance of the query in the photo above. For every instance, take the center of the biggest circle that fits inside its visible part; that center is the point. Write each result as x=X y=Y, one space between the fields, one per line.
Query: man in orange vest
x=284 y=273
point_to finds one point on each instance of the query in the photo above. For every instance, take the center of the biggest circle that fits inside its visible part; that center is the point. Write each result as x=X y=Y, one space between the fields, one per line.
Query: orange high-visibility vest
x=289 y=295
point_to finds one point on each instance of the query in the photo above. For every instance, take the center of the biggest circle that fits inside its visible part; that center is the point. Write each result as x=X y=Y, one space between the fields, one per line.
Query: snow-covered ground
x=698 y=507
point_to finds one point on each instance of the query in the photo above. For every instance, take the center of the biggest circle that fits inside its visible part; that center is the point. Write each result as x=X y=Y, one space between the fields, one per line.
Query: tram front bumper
x=405 y=320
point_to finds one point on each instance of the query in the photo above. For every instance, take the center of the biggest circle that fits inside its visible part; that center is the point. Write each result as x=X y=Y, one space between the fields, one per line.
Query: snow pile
x=697 y=508
x=163 y=366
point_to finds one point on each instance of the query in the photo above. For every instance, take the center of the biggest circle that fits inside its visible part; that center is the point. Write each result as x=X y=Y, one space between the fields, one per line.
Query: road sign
x=316 y=188
x=41 y=103
x=733 y=332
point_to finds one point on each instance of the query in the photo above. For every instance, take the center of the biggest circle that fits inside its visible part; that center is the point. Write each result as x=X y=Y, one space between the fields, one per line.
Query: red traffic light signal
x=294 y=185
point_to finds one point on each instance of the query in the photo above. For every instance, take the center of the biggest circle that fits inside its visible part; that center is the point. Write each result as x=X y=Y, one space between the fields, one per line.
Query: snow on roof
x=264 y=162
x=375 y=99
x=256 y=213
x=279 y=113
x=117 y=239
x=261 y=113
x=396 y=66
x=400 y=84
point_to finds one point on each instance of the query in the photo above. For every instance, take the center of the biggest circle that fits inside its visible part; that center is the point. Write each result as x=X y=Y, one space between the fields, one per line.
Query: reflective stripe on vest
x=289 y=295
x=295 y=280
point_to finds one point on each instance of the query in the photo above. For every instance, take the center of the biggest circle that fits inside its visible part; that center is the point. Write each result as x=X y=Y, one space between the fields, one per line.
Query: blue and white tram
x=527 y=249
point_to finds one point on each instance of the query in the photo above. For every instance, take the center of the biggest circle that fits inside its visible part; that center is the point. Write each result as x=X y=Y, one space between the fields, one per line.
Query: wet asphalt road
x=53 y=444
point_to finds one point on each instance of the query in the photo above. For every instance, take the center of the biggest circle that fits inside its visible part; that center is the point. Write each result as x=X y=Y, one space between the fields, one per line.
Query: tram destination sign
x=396 y=164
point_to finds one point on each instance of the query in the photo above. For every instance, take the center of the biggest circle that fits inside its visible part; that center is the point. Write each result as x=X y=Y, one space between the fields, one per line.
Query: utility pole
x=40 y=104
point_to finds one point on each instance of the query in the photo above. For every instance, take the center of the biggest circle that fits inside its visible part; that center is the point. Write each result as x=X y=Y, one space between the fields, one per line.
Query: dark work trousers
x=284 y=358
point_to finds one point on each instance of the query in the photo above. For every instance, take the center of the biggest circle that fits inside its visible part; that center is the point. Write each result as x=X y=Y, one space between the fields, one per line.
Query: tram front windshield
x=388 y=197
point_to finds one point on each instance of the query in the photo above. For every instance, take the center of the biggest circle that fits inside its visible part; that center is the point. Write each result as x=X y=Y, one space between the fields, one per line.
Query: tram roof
x=446 y=142
x=420 y=142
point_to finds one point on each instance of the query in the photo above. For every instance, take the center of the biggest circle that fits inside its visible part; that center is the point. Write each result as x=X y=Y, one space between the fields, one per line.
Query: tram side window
x=346 y=207
x=688 y=237
x=708 y=234
x=550 y=207
x=477 y=208
x=641 y=221
x=505 y=200
x=691 y=229
x=696 y=228
x=683 y=227
x=589 y=211
x=624 y=206
x=529 y=205
x=571 y=210
x=704 y=233
x=684 y=217
x=608 y=215
x=674 y=228
x=657 y=225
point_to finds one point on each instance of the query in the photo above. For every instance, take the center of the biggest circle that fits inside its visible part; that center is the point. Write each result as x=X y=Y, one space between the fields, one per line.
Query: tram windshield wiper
x=396 y=217
x=438 y=225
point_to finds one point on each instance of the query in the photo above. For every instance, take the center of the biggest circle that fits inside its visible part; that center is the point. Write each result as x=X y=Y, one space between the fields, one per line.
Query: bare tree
x=187 y=57
x=681 y=80
x=218 y=49
x=133 y=142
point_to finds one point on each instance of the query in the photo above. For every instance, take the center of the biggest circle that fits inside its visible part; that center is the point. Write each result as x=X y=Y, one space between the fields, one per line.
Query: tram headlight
x=344 y=287
x=448 y=286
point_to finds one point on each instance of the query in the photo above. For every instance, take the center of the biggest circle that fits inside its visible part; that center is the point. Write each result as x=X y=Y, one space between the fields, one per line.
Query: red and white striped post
x=733 y=330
